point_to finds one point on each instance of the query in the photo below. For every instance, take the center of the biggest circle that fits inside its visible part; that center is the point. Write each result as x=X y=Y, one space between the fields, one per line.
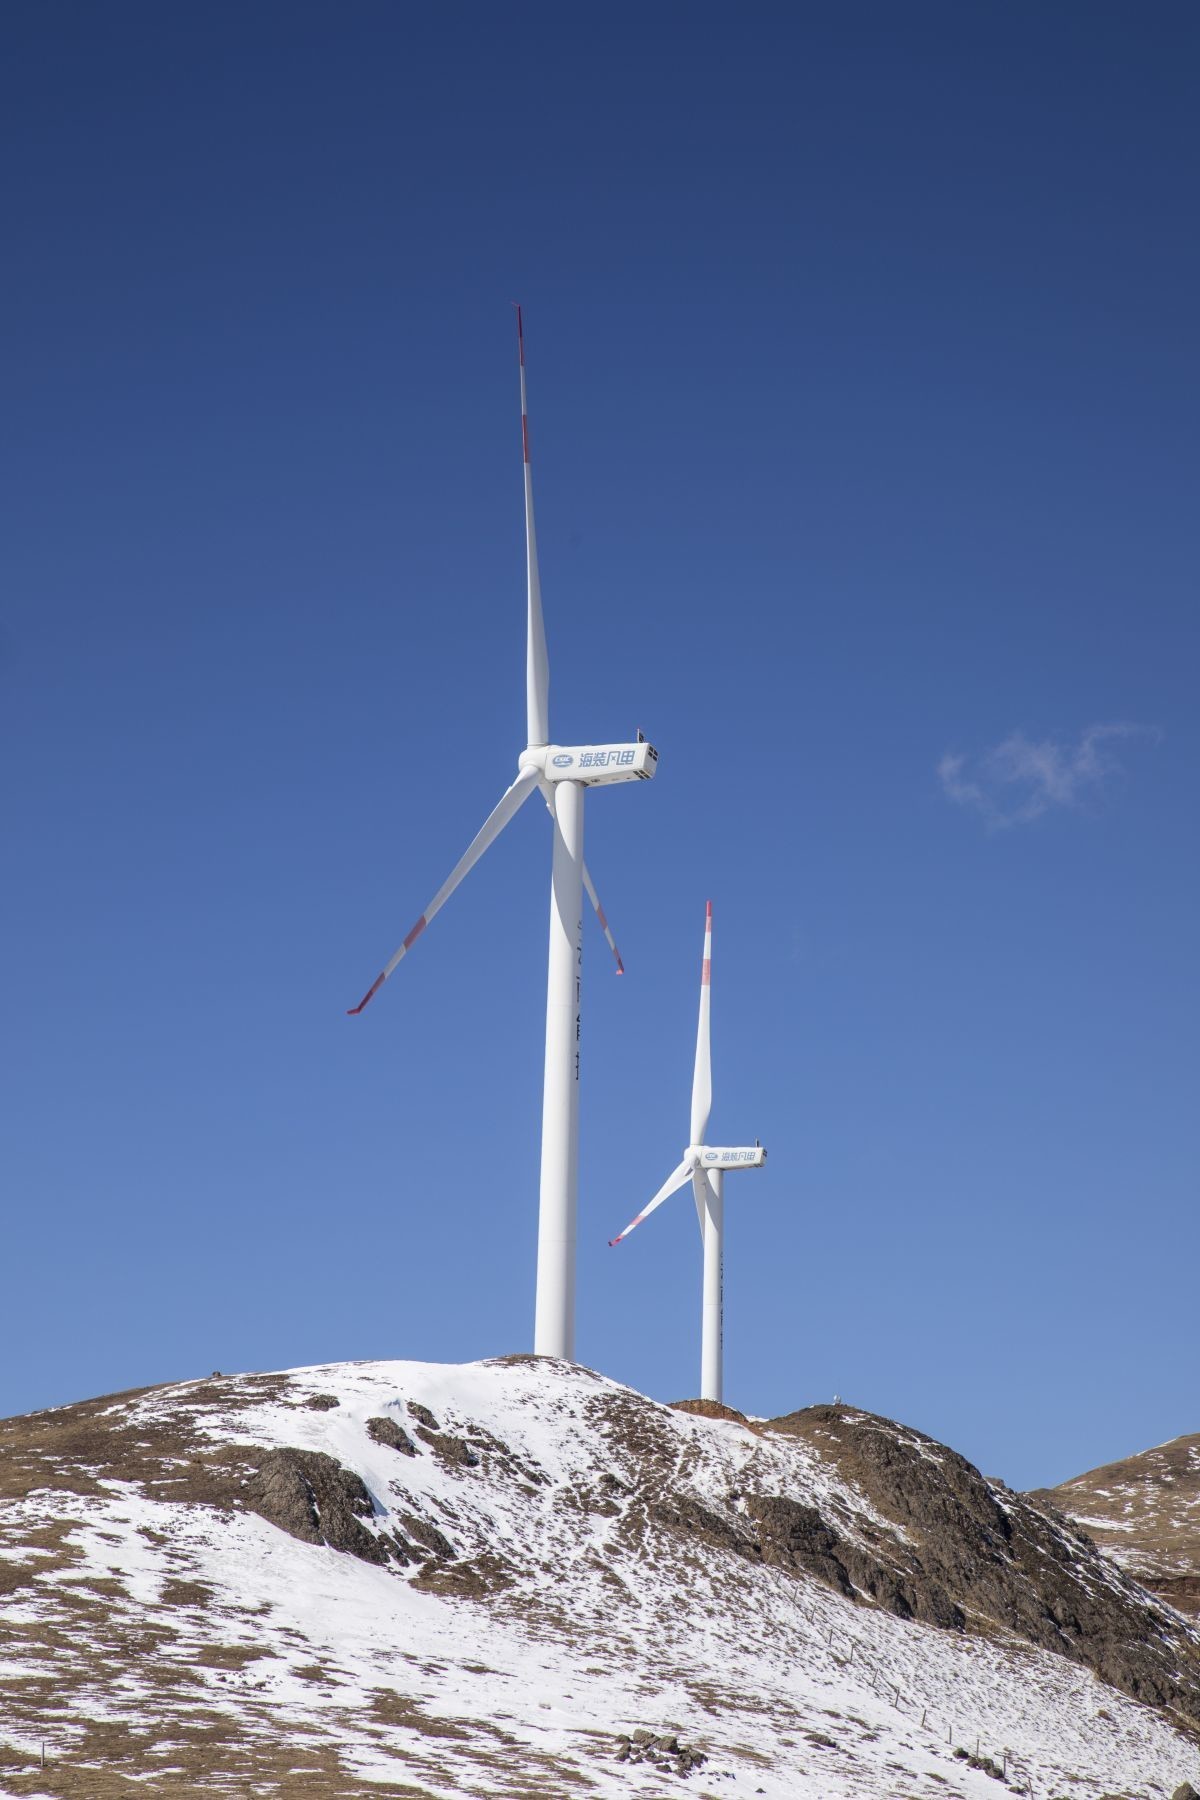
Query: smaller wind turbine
x=705 y=1168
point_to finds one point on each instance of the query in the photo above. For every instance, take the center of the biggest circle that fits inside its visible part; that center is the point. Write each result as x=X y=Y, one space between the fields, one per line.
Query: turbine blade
x=699 y=1189
x=702 y=1078
x=547 y=793
x=537 y=663
x=604 y=925
x=671 y=1185
x=497 y=819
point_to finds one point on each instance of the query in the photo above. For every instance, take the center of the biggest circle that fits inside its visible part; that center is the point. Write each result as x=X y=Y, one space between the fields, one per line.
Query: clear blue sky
x=863 y=385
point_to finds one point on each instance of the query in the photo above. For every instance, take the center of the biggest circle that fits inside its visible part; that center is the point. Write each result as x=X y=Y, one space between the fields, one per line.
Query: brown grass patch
x=231 y=1656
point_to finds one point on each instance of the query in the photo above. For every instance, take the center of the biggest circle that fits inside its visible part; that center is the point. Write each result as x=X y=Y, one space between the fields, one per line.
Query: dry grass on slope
x=1145 y=1511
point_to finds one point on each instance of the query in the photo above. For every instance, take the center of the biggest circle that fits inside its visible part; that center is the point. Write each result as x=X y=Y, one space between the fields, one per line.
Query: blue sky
x=863 y=389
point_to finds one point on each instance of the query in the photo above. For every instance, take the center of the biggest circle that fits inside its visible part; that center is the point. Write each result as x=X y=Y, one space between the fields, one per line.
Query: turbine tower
x=705 y=1166
x=561 y=774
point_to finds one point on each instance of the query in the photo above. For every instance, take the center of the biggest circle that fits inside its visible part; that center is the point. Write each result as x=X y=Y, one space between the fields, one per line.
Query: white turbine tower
x=705 y=1166
x=561 y=774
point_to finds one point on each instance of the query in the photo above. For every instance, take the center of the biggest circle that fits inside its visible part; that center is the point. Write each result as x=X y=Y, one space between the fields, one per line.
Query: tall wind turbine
x=705 y=1168
x=560 y=773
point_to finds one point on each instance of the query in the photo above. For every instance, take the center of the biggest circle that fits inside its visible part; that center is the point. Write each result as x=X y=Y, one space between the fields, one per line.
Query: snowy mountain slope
x=534 y=1561
x=1145 y=1511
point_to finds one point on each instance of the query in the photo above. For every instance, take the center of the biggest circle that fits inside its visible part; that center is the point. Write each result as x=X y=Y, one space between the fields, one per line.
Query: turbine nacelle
x=592 y=765
x=707 y=1156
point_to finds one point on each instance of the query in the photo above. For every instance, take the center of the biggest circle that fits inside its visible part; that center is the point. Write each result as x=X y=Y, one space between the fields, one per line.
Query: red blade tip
x=369 y=995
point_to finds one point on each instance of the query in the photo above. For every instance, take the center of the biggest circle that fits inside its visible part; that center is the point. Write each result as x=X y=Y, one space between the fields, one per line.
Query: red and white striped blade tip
x=369 y=995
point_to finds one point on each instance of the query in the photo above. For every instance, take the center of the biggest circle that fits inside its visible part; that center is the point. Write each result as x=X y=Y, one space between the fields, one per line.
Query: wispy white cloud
x=1020 y=779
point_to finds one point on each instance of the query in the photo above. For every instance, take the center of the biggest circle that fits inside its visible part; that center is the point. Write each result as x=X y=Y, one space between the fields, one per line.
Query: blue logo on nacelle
x=562 y=762
x=710 y=1156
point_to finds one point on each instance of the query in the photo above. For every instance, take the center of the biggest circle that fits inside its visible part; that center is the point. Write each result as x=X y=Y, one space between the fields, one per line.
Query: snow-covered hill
x=413 y=1579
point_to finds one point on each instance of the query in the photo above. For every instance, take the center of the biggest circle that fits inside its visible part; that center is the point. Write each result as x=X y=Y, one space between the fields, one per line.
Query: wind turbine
x=561 y=774
x=705 y=1166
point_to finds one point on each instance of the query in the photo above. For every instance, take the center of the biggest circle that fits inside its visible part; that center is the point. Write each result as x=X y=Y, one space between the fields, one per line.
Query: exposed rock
x=312 y=1497
x=322 y=1402
x=970 y=1552
x=435 y=1542
x=689 y=1517
x=795 y=1537
x=1185 y=1791
x=423 y=1416
x=454 y=1452
x=386 y=1431
x=662 y=1751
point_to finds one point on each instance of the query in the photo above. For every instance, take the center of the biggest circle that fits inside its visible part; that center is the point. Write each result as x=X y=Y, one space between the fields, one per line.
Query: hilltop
x=516 y=1578
x=1145 y=1511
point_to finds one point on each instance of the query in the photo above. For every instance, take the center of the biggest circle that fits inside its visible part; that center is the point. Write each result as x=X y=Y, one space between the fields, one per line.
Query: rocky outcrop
x=312 y=1497
x=433 y=1542
x=796 y=1538
x=453 y=1451
x=928 y=1538
x=966 y=1552
x=661 y=1750
x=386 y=1431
